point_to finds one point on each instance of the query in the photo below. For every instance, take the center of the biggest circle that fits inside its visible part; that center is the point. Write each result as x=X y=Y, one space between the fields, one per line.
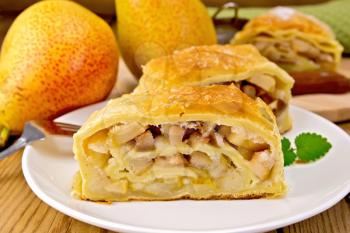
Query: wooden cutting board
x=331 y=106
x=334 y=107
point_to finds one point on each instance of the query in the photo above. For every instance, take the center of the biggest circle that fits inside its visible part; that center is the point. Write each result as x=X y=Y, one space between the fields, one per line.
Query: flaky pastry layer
x=241 y=65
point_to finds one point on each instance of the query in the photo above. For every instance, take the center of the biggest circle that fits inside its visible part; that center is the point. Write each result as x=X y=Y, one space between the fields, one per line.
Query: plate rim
x=270 y=225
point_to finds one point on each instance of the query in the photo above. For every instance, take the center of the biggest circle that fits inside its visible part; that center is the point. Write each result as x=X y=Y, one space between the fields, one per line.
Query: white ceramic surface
x=49 y=166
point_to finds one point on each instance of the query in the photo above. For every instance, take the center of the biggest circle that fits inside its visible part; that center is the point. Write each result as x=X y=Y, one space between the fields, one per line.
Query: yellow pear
x=152 y=28
x=57 y=56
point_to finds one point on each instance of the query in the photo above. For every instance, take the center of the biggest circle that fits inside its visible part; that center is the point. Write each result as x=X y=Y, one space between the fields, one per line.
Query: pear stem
x=4 y=135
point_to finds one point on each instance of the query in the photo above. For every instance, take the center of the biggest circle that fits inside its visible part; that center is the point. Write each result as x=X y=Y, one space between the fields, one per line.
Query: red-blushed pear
x=57 y=56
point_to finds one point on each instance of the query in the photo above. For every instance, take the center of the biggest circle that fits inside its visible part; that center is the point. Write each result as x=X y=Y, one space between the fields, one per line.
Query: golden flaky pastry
x=195 y=142
x=295 y=41
x=242 y=65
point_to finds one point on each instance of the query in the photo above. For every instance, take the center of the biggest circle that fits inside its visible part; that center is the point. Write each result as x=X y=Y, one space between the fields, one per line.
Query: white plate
x=49 y=166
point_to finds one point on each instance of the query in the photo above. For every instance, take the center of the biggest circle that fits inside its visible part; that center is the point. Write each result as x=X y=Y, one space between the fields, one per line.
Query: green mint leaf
x=288 y=152
x=311 y=146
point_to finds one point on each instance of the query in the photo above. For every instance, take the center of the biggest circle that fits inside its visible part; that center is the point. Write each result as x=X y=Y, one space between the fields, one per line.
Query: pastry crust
x=216 y=64
x=283 y=18
x=219 y=104
x=285 y=24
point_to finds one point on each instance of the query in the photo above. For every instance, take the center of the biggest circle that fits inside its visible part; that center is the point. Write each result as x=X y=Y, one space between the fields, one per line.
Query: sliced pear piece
x=264 y=81
x=126 y=132
x=262 y=163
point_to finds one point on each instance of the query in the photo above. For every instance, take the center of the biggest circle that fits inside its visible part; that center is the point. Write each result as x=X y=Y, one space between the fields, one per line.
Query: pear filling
x=167 y=158
x=288 y=51
x=262 y=86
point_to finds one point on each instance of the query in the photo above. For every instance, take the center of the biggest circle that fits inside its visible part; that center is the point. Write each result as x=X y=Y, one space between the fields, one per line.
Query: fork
x=39 y=130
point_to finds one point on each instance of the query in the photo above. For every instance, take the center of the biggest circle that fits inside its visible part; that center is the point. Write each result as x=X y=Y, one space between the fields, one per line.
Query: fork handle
x=19 y=144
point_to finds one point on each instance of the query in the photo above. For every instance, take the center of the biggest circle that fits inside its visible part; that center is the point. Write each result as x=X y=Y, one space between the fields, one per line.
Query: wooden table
x=21 y=211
